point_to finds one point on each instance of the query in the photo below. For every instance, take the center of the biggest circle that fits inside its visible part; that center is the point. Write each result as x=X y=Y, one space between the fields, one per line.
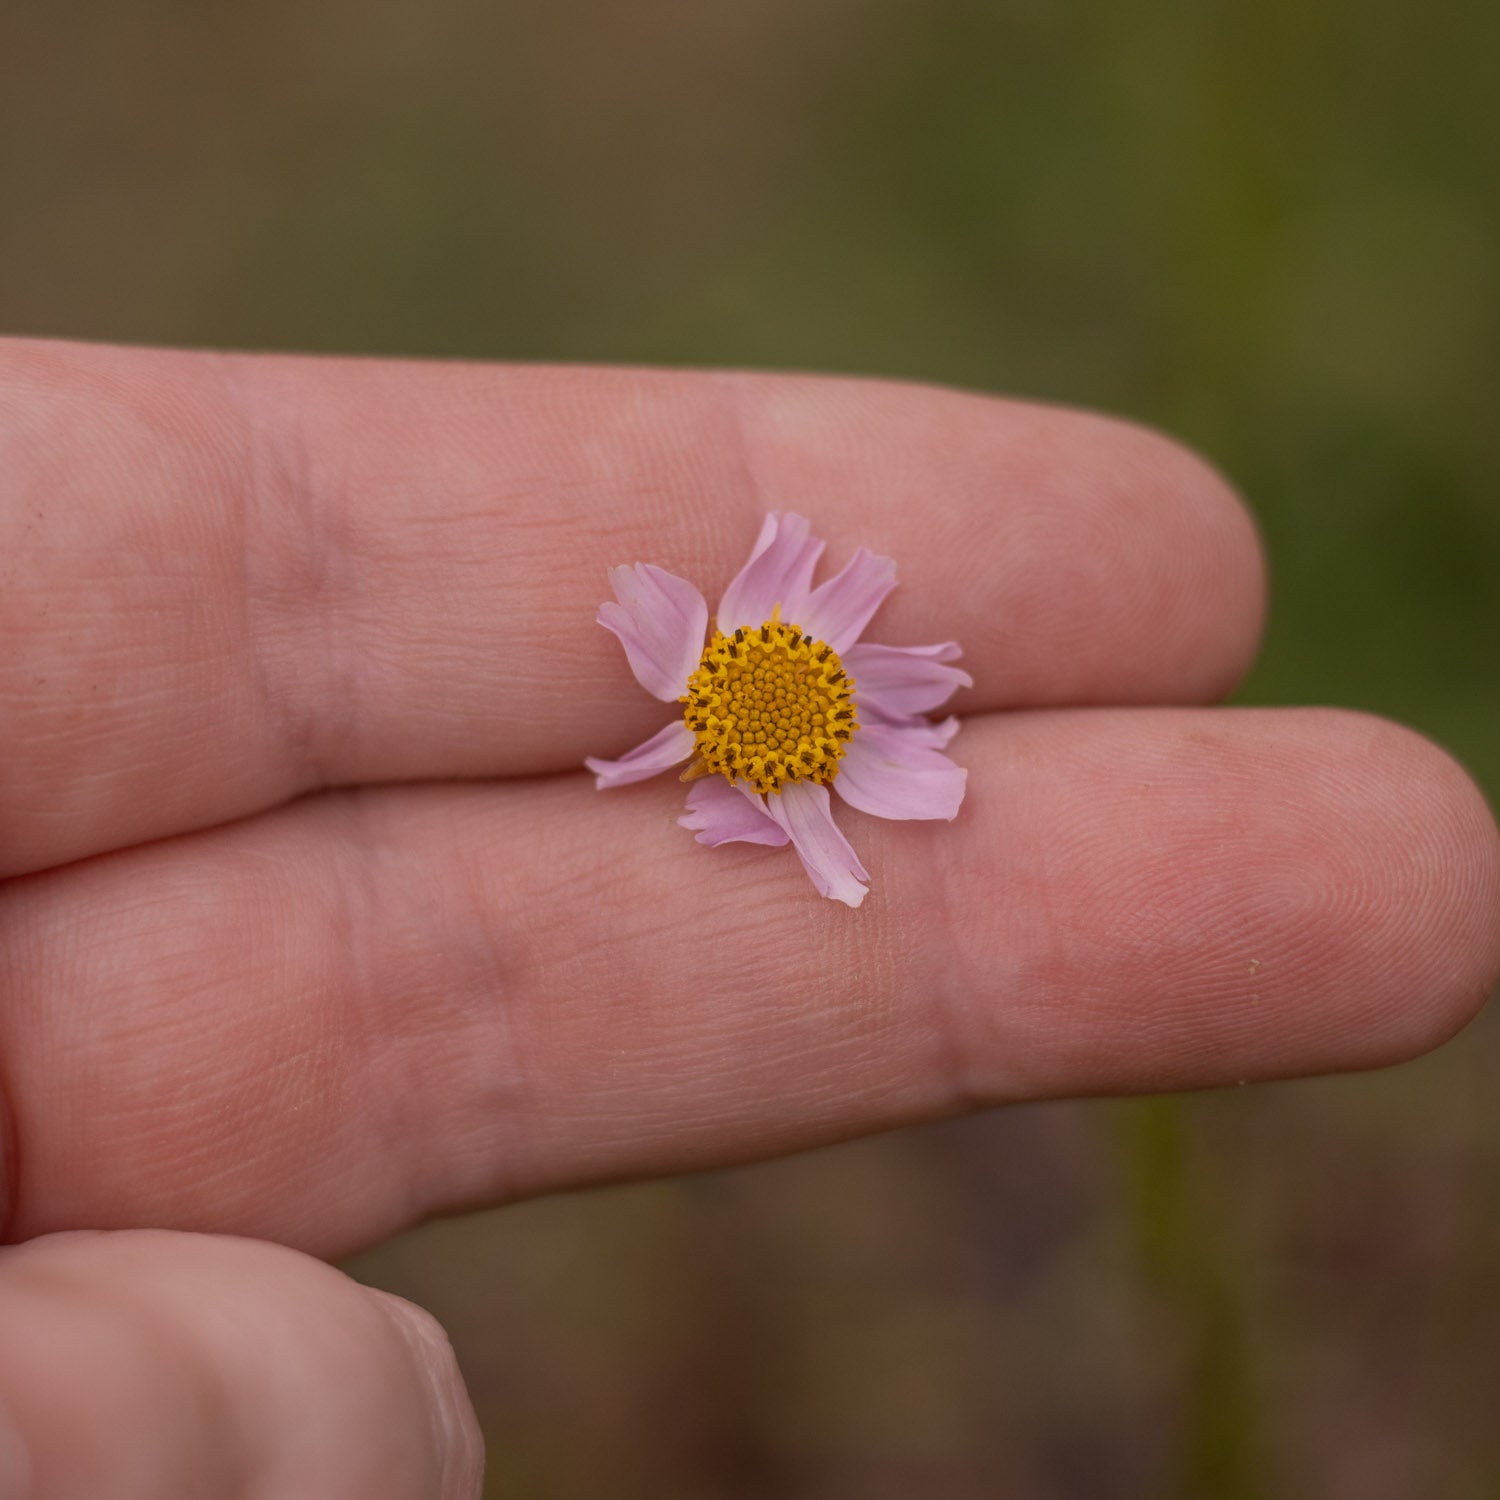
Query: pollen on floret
x=767 y=706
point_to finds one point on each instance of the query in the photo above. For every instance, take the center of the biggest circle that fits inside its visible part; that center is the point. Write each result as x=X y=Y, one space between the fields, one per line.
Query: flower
x=784 y=701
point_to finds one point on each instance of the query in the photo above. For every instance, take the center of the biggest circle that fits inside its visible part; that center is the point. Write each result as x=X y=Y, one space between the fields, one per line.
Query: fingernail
x=460 y=1444
x=15 y=1460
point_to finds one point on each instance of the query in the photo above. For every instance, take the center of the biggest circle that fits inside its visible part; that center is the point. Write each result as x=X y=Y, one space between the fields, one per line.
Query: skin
x=311 y=926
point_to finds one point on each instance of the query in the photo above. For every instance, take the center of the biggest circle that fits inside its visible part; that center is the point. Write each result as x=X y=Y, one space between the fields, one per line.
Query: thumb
x=160 y=1365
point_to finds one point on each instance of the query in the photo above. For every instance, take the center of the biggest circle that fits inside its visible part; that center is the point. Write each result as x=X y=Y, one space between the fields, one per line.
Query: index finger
x=232 y=579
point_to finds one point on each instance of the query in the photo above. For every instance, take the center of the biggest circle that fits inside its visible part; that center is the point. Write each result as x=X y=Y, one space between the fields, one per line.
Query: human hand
x=312 y=924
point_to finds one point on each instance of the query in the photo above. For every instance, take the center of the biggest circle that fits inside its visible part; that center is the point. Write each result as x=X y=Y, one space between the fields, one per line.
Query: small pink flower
x=784 y=702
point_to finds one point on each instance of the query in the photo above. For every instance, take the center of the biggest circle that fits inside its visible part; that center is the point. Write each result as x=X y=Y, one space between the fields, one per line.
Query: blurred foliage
x=1266 y=225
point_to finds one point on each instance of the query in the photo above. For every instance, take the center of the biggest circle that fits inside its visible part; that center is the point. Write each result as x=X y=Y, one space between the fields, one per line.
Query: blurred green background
x=1266 y=225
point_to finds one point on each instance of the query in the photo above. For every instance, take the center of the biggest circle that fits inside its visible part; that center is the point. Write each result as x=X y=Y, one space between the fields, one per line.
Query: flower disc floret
x=768 y=729
x=769 y=706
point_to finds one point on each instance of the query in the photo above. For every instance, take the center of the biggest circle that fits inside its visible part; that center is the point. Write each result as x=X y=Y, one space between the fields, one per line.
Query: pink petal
x=779 y=572
x=935 y=736
x=725 y=814
x=667 y=748
x=801 y=808
x=899 y=680
x=836 y=611
x=660 y=620
x=895 y=772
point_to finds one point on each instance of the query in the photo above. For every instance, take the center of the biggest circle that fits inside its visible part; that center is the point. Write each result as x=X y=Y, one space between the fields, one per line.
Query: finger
x=228 y=580
x=351 y=1013
x=153 y=1365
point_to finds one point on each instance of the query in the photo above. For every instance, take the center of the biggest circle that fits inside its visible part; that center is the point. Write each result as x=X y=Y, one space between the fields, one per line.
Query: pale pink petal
x=725 y=814
x=801 y=808
x=896 y=773
x=661 y=621
x=901 y=680
x=779 y=572
x=836 y=611
x=937 y=736
x=919 y=730
x=667 y=748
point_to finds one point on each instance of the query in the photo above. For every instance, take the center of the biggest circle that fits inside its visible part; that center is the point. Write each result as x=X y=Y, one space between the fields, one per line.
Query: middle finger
x=327 y=1022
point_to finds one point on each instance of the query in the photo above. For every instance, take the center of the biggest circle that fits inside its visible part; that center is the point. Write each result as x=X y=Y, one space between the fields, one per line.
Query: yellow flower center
x=769 y=706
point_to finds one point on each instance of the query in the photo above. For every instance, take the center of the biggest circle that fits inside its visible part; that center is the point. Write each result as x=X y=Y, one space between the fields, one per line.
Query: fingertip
x=1204 y=896
x=1440 y=886
x=1170 y=562
x=1235 y=584
x=1209 y=589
